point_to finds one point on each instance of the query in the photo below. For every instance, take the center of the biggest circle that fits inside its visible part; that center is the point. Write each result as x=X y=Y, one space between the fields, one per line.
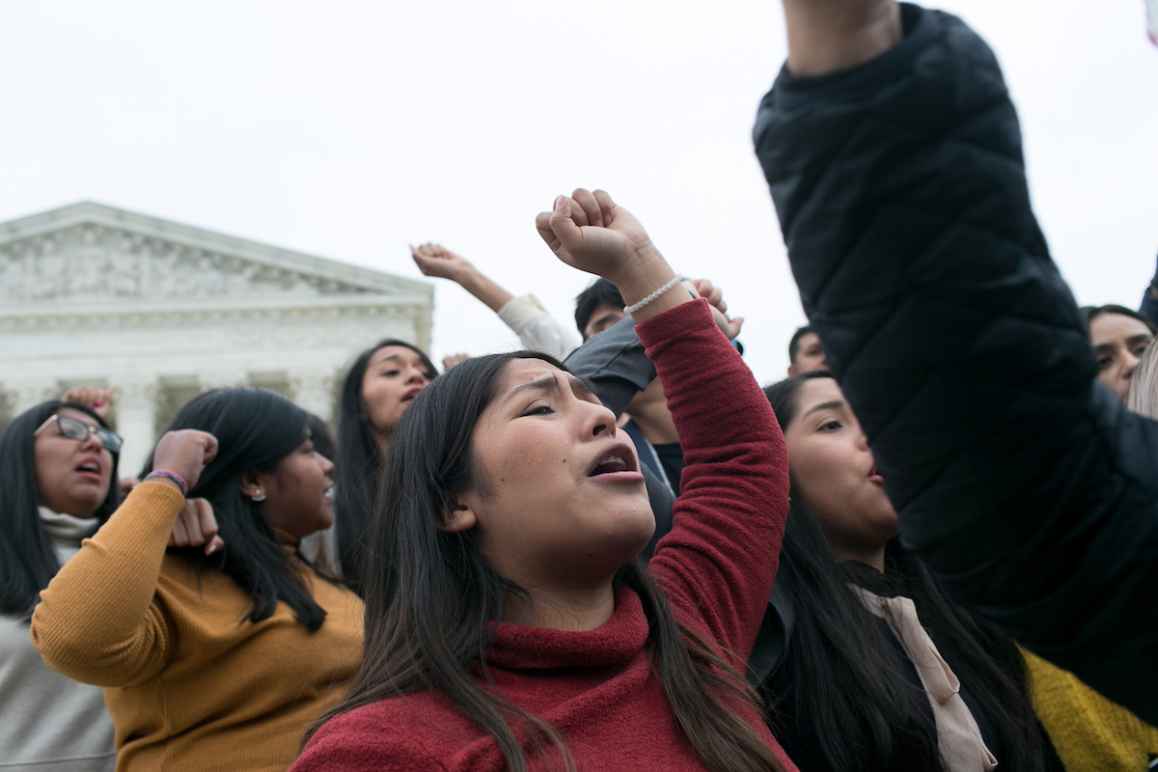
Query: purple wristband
x=173 y=477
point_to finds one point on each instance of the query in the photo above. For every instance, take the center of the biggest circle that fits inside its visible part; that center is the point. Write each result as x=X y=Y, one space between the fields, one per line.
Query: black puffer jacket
x=901 y=191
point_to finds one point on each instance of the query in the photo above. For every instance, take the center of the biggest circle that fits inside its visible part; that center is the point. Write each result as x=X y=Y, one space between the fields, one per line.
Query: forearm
x=92 y=622
x=901 y=191
x=826 y=36
x=492 y=295
x=537 y=329
x=720 y=556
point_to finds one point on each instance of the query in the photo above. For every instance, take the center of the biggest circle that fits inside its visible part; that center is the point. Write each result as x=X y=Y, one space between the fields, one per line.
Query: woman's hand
x=185 y=452
x=591 y=232
x=100 y=401
x=196 y=526
x=438 y=261
x=715 y=297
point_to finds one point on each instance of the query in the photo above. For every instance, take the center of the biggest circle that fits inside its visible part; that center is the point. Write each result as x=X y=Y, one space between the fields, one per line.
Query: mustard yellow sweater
x=190 y=683
x=1088 y=731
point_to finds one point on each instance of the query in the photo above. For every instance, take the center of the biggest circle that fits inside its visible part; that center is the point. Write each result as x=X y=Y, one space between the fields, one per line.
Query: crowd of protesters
x=933 y=546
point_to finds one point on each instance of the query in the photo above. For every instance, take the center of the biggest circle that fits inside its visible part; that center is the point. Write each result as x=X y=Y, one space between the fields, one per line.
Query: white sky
x=352 y=128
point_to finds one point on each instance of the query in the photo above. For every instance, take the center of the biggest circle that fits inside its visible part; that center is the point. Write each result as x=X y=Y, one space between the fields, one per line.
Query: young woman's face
x=299 y=492
x=1119 y=342
x=558 y=494
x=834 y=473
x=394 y=377
x=72 y=476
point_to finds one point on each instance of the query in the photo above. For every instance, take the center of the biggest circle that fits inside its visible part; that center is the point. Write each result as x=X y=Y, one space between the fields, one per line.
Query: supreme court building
x=95 y=295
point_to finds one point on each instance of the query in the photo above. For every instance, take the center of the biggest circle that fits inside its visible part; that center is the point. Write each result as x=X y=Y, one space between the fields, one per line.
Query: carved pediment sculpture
x=96 y=263
x=90 y=253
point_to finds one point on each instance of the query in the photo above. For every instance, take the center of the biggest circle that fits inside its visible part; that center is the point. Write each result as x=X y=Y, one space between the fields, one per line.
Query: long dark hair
x=430 y=596
x=255 y=429
x=358 y=475
x=27 y=558
x=841 y=683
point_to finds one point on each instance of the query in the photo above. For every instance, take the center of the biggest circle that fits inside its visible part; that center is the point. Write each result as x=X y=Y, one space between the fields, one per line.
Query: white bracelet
x=631 y=309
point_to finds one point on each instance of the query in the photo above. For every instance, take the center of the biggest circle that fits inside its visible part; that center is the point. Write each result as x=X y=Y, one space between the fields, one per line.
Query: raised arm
x=901 y=191
x=718 y=562
x=524 y=315
x=96 y=621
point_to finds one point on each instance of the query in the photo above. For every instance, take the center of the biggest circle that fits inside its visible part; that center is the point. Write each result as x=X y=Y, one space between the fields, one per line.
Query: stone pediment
x=89 y=254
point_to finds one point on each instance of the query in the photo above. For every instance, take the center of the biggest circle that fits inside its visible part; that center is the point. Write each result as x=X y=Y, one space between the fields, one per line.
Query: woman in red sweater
x=509 y=623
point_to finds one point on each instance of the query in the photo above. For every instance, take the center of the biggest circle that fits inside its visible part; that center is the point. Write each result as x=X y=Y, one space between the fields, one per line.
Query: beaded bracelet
x=173 y=477
x=631 y=309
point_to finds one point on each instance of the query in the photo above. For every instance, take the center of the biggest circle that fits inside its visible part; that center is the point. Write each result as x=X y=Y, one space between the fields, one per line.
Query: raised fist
x=196 y=526
x=438 y=261
x=591 y=232
x=185 y=452
x=99 y=400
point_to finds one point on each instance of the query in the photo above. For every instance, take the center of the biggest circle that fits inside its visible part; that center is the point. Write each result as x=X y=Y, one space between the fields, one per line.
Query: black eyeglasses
x=76 y=429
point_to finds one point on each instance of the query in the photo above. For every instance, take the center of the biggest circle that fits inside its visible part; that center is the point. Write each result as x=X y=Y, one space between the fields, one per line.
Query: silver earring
x=258 y=497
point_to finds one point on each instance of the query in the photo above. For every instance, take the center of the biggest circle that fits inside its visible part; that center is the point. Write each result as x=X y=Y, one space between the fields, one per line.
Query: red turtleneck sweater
x=598 y=687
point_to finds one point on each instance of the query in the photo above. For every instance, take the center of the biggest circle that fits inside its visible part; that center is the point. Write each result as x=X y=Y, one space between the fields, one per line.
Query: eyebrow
x=551 y=383
x=1108 y=348
x=834 y=404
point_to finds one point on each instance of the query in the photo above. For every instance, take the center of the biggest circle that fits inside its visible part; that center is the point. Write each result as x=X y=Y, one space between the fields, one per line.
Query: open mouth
x=875 y=476
x=616 y=461
x=89 y=469
x=410 y=394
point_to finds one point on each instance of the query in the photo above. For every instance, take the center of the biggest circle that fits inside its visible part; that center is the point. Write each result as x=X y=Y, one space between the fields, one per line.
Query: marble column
x=136 y=414
x=314 y=392
x=25 y=395
x=222 y=379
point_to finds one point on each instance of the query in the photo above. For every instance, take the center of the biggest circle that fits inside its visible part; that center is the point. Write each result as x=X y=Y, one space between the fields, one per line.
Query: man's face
x=809 y=355
x=603 y=317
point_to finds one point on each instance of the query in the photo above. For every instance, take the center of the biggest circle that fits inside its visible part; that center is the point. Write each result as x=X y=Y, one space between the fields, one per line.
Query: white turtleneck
x=50 y=723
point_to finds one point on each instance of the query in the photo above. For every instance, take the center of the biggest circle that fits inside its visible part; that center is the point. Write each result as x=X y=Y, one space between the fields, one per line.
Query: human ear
x=253 y=486
x=461 y=518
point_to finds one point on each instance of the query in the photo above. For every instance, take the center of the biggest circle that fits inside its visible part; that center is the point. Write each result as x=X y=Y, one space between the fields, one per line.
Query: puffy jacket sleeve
x=901 y=191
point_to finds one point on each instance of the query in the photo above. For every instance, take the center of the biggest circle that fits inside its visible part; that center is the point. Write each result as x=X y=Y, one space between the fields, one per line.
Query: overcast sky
x=350 y=129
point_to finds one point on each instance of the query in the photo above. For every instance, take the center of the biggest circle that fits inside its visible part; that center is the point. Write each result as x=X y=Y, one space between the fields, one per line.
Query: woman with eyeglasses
x=211 y=659
x=58 y=465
